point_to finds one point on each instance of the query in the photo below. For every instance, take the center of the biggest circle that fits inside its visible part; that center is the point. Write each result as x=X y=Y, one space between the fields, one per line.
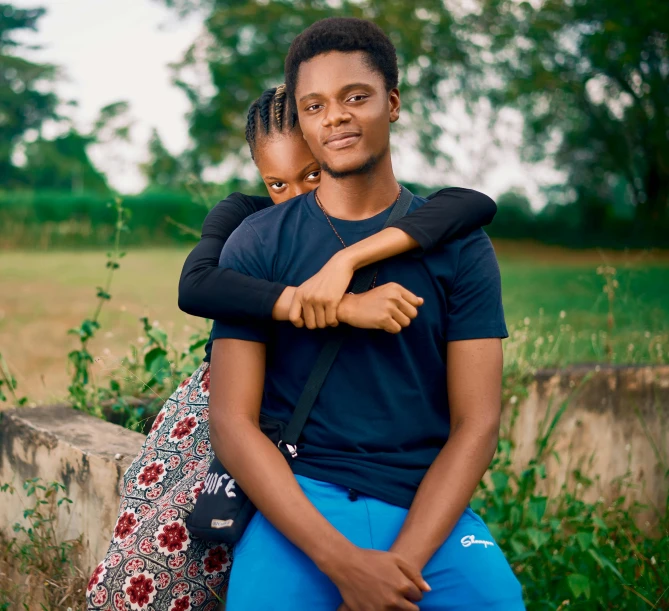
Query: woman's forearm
x=387 y=243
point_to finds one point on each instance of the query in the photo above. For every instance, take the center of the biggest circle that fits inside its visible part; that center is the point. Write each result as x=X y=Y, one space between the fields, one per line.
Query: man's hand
x=389 y=307
x=369 y=580
x=316 y=300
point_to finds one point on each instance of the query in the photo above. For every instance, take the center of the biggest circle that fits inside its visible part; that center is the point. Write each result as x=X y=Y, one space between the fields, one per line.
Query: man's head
x=342 y=76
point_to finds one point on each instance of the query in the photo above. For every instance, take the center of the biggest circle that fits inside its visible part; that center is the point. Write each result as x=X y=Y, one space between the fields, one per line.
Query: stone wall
x=615 y=425
x=88 y=455
x=616 y=420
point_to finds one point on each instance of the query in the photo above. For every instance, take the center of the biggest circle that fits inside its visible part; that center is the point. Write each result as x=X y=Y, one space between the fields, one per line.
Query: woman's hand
x=389 y=307
x=315 y=301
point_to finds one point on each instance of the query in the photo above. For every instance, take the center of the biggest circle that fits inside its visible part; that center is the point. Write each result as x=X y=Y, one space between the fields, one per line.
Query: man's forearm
x=446 y=491
x=263 y=473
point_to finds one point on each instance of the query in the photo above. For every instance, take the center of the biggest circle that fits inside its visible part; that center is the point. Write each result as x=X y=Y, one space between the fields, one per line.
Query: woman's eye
x=277 y=186
x=315 y=175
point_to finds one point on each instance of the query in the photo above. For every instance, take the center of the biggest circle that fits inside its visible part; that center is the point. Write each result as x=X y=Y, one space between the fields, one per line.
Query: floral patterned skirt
x=153 y=563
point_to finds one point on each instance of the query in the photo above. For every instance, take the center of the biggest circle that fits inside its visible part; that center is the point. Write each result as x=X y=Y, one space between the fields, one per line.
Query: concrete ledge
x=86 y=454
x=616 y=422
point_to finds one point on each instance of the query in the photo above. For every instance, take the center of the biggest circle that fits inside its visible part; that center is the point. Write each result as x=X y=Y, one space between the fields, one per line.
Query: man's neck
x=356 y=198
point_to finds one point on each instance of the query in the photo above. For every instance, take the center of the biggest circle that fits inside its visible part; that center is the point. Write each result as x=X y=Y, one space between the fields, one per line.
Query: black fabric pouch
x=222 y=510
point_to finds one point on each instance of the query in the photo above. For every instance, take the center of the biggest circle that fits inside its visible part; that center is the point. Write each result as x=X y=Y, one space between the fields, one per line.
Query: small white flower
x=141 y=340
x=579 y=486
x=653 y=561
x=155 y=323
x=630 y=348
x=526 y=321
x=647 y=334
x=513 y=400
x=563 y=313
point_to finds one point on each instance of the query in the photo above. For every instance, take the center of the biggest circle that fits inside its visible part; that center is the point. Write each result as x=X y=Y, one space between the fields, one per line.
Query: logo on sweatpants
x=469 y=540
x=213 y=483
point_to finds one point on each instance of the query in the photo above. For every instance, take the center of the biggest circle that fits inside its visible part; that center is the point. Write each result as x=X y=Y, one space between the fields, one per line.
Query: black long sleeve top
x=207 y=291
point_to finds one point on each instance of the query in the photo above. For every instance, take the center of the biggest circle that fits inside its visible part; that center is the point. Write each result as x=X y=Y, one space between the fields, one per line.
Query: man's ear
x=395 y=104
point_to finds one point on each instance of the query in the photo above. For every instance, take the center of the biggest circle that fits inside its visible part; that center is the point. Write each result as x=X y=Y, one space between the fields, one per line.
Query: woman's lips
x=341 y=141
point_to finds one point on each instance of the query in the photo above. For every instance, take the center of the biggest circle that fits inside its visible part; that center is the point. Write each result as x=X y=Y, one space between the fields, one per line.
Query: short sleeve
x=475 y=308
x=242 y=253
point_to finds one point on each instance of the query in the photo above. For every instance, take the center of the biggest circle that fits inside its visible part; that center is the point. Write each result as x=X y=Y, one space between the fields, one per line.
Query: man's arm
x=474 y=373
x=365 y=578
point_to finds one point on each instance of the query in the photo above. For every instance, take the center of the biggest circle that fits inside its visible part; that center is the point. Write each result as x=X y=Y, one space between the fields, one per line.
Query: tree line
x=589 y=77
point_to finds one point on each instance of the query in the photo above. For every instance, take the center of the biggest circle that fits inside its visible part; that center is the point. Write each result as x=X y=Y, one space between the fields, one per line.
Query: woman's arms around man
x=207 y=291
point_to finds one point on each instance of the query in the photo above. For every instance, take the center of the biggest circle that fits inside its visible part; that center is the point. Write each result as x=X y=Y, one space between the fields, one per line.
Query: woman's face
x=287 y=166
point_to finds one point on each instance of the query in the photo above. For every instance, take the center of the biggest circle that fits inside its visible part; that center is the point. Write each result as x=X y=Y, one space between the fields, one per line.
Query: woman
x=153 y=563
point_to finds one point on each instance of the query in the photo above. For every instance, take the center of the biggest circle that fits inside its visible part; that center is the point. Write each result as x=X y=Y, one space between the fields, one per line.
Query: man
x=373 y=513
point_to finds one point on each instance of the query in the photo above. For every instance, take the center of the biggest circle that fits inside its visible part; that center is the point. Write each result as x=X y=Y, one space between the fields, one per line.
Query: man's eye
x=358 y=97
x=312 y=107
x=277 y=186
x=315 y=175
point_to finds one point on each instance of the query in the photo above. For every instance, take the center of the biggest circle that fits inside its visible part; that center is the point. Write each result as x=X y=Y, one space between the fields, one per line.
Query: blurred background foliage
x=589 y=77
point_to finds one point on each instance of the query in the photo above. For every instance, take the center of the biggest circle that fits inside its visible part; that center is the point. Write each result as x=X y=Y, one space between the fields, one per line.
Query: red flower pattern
x=216 y=559
x=140 y=589
x=125 y=525
x=95 y=577
x=173 y=537
x=184 y=427
x=152 y=562
x=151 y=474
x=181 y=604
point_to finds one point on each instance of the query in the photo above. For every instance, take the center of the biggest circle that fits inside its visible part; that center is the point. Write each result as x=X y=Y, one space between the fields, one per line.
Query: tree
x=247 y=40
x=591 y=78
x=163 y=171
x=25 y=99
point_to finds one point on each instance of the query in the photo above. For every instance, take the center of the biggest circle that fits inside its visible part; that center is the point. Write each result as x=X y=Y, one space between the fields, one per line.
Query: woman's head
x=284 y=160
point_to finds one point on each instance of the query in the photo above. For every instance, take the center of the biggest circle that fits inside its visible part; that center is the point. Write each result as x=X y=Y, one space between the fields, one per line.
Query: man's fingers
x=392 y=326
x=413 y=574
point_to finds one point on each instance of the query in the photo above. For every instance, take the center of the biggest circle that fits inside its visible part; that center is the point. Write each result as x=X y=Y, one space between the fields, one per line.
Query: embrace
x=372 y=512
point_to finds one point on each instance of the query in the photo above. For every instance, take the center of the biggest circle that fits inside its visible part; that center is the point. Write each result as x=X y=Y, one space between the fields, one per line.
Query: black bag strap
x=361 y=283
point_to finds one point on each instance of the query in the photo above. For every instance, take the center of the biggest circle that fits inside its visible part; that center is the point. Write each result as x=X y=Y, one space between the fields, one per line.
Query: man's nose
x=336 y=115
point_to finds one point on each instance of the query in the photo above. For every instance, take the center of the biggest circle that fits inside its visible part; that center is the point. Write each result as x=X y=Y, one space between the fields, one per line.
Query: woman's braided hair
x=269 y=114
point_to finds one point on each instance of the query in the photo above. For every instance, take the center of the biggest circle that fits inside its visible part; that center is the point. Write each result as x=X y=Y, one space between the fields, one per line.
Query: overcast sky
x=113 y=50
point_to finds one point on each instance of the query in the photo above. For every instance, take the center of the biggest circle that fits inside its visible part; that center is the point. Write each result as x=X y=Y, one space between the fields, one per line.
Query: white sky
x=113 y=50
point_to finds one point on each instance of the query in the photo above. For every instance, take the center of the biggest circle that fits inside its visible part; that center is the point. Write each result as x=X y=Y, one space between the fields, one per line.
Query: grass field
x=554 y=301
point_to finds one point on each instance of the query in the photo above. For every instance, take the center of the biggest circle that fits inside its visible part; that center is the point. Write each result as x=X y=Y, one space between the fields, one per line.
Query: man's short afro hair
x=344 y=34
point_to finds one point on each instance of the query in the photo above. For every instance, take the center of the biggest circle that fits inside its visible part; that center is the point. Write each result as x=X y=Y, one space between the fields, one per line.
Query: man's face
x=345 y=112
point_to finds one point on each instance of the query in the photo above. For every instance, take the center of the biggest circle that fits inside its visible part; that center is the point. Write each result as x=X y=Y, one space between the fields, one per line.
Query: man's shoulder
x=274 y=216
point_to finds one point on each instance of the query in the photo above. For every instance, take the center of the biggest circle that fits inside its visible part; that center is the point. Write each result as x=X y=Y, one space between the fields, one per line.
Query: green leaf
x=604 y=562
x=158 y=336
x=584 y=540
x=579 y=585
x=499 y=480
x=537 y=508
x=538 y=538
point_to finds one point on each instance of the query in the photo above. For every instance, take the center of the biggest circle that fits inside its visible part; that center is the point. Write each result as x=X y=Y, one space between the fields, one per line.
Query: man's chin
x=350 y=169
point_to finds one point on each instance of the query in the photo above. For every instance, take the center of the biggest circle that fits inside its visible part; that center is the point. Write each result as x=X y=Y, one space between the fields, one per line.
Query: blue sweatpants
x=468 y=572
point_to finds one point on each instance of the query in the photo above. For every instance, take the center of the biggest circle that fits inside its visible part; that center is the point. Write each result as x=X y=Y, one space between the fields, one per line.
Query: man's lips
x=342 y=140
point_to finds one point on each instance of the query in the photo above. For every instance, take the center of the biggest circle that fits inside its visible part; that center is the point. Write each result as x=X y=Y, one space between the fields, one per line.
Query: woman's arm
x=448 y=214
x=207 y=291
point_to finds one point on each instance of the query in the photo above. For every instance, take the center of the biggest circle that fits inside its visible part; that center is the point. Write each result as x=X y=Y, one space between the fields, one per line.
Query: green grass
x=44 y=294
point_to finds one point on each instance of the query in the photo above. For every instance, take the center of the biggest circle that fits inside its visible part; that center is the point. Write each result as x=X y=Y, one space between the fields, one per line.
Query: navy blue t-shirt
x=382 y=415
